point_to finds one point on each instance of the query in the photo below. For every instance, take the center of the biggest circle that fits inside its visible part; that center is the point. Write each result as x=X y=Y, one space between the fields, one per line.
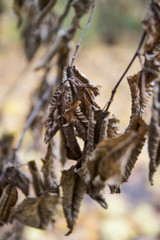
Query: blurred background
x=106 y=50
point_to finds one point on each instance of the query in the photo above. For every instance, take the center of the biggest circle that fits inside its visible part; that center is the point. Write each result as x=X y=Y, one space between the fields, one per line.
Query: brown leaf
x=154 y=134
x=71 y=141
x=95 y=188
x=37 y=179
x=48 y=169
x=37 y=212
x=138 y=125
x=70 y=116
x=81 y=7
x=103 y=128
x=91 y=132
x=51 y=124
x=7 y=202
x=87 y=83
x=117 y=152
x=15 y=177
x=151 y=25
x=113 y=127
x=135 y=94
x=73 y=190
x=63 y=155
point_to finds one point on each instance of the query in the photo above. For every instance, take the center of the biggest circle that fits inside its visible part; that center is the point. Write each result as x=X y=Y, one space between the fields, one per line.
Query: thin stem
x=123 y=75
x=84 y=31
x=35 y=111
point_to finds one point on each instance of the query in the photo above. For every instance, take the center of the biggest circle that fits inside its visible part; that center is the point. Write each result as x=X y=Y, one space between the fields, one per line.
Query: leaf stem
x=121 y=78
x=84 y=31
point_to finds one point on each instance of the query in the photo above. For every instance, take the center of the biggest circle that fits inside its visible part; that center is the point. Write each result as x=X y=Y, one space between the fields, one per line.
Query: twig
x=84 y=31
x=44 y=12
x=128 y=67
x=35 y=111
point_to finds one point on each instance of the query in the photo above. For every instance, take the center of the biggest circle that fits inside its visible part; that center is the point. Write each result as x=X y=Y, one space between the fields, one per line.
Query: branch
x=35 y=111
x=84 y=31
x=45 y=11
x=128 y=67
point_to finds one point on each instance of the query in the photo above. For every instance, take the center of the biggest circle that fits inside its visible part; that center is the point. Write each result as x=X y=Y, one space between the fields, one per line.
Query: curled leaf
x=154 y=134
x=7 y=202
x=73 y=190
x=113 y=127
x=37 y=180
x=48 y=169
x=138 y=125
x=152 y=26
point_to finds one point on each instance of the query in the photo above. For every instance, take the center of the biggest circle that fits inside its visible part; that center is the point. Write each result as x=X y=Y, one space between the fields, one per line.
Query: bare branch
x=84 y=31
x=128 y=67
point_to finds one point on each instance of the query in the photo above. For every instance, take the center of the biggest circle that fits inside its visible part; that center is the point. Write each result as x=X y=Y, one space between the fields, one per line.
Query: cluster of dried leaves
x=105 y=156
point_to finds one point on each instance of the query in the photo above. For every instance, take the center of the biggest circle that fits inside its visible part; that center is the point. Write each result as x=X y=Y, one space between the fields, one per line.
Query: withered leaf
x=95 y=188
x=37 y=179
x=103 y=128
x=15 y=177
x=52 y=124
x=48 y=169
x=73 y=190
x=63 y=156
x=137 y=124
x=117 y=152
x=37 y=212
x=81 y=7
x=135 y=94
x=154 y=134
x=71 y=141
x=70 y=116
x=91 y=132
x=151 y=25
x=7 y=202
x=87 y=83
x=113 y=127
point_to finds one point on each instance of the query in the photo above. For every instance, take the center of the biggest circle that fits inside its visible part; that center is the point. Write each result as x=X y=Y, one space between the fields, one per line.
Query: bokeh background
x=106 y=50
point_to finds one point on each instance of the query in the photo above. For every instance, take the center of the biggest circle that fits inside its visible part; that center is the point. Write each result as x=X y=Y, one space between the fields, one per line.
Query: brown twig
x=128 y=67
x=44 y=12
x=84 y=31
x=35 y=111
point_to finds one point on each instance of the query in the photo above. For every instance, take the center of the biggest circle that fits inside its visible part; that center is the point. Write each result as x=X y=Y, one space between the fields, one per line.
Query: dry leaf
x=37 y=179
x=52 y=123
x=73 y=190
x=154 y=134
x=37 y=212
x=113 y=127
x=151 y=25
x=48 y=169
x=7 y=202
x=112 y=165
x=138 y=125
